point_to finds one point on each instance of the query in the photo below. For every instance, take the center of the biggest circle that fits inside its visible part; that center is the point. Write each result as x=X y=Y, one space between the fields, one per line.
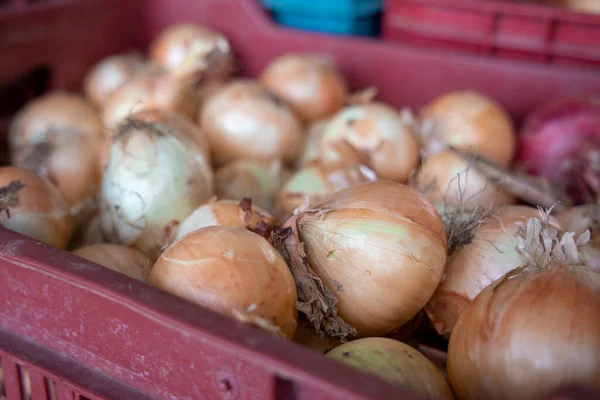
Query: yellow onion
x=397 y=363
x=380 y=134
x=260 y=181
x=448 y=179
x=471 y=122
x=533 y=331
x=312 y=145
x=108 y=75
x=244 y=120
x=366 y=259
x=33 y=206
x=156 y=176
x=125 y=260
x=239 y=214
x=482 y=250
x=311 y=84
x=231 y=271
x=578 y=220
x=315 y=182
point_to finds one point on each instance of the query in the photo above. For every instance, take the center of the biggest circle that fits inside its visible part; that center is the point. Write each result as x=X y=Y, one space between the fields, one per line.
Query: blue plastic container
x=342 y=17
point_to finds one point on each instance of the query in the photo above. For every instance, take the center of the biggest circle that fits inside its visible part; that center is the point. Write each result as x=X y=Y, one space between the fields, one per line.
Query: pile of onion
x=580 y=219
x=125 y=260
x=366 y=259
x=58 y=136
x=378 y=132
x=245 y=120
x=231 y=271
x=471 y=122
x=109 y=74
x=397 y=363
x=535 y=330
x=157 y=174
x=258 y=180
x=446 y=178
x=482 y=249
x=311 y=84
x=33 y=206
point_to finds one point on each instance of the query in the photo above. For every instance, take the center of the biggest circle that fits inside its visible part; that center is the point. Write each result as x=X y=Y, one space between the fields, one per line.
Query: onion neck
x=9 y=196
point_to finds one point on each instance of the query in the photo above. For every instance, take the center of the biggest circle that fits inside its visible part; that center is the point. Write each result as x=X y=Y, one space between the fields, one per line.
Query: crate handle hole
x=51 y=389
x=25 y=382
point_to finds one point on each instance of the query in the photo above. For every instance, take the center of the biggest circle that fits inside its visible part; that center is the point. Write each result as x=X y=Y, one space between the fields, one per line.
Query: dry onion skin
x=231 y=271
x=244 y=120
x=34 y=207
x=483 y=249
x=187 y=49
x=446 y=178
x=471 y=122
x=533 y=331
x=240 y=214
x=380 y=134
x=371 y=258
x=125 y=260
x=580 y=219
x=315 y=182
x=312 y=145
x=156 y=176
x=258 y=180
x=306 y=336
x=108 y=75
x=397 y=363
x=311 y=84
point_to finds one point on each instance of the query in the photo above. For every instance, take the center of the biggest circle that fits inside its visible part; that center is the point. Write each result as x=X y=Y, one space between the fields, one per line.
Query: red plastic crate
x=502 y=29
x=94 y=334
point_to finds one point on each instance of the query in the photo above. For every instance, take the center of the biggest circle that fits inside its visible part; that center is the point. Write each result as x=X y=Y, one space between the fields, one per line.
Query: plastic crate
x=502 y=29
x=342 y=17
x=79 y=331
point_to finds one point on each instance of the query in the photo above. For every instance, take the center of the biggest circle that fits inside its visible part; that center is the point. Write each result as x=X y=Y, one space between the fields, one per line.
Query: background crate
x=502 y=29
x=95 y=334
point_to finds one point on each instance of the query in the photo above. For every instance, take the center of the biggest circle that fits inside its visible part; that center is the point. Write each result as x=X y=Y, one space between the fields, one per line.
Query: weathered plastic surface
x=496 y=28
x=95 y=334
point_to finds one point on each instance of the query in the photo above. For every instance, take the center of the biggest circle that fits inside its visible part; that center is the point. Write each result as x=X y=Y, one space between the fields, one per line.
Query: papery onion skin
x=378 y=132
x=108 y=74
x=230 y=270
x=578 y=220
x=223 y=213
x=125 y=260
x=306 y=336
x=244 y=120
x=396 y=363
x=380 y=248
x=316 y=182
x=453 y=182
x=156 y=176
x=488 y=256
x=471 y=122
x=34 y=207
x=528 y=335
x=311 y=84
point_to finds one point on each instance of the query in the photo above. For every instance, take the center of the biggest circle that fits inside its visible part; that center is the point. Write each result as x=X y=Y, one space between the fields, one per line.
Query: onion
x=482 y=249
x=396 y=363
x=108 y=75
x=580 y=219
x=312 y=145
x=156 y=176
x=469 y=121
x=561 y=142
x=261 y=181
x=447 y=178
x=244 y=120
x=315 y=182
x=193 y=49
x=374 y=253
x=231 y=271
x=533 y=331
x=125 y=260
x=33 y=206
x=239 y=214
x=311 y=84
x=379 y=133
x=586 y=6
